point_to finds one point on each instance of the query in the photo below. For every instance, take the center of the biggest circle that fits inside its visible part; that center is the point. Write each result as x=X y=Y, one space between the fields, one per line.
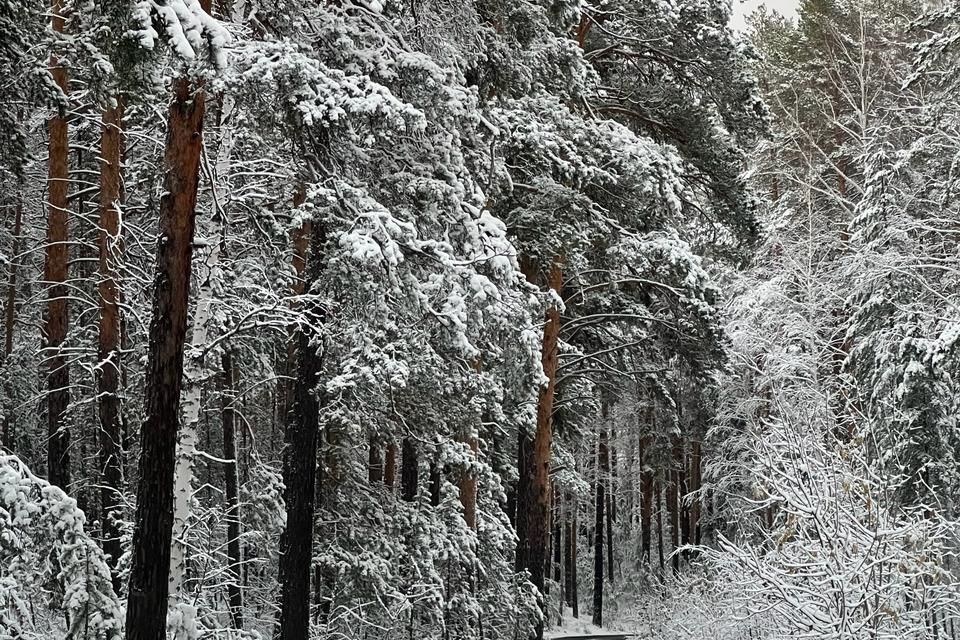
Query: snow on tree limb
x=187 y=27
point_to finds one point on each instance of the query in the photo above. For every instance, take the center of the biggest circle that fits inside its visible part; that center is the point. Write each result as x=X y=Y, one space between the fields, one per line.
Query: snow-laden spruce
x=47 y=559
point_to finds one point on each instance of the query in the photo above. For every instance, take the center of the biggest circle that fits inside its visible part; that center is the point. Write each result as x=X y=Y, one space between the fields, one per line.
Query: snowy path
x=594 y=636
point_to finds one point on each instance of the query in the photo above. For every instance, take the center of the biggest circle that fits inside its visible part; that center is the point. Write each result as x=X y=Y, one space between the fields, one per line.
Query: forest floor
x=581 y=628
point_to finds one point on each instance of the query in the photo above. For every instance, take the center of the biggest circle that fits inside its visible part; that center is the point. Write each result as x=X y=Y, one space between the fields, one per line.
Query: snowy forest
x=479 y=320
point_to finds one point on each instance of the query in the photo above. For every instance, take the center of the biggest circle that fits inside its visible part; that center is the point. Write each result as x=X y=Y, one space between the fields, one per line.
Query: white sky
x=743 y=8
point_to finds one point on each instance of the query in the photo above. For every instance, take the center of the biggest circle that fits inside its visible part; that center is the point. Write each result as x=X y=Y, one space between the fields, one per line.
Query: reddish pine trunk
x=108 y=351
x=147 y=599
x=468 y=488
x=533 y=497
x=55 y=276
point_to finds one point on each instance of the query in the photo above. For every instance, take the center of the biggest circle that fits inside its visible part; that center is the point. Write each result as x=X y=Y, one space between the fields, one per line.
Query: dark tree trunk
x=598 y=558
x=9 y=320
x=609 y=526
x=300 y=238
x=673 y=486
x=108 y=347
x=231 y=487
x=600 y=484
x=524 y=466
x=148 y=590
x=390 y=466
x=695 y=481
x=557 y=541
x=680 y=465
x=646 y=500
x=570 y=555
x=55 y=267
x=435 y=480
x=374 y=463
x=300 y=467
x=533 y=497
x=657 y=492
x=408 y=470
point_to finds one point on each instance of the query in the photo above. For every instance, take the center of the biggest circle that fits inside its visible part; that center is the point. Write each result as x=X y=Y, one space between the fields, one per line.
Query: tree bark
x=680 y=467
x=657 y=492
x=646 y=500
x=9 y=319
x=149 y=573
x=231 y=487
x=300 y=467
x=533 y=497
x=409 y=470
x=55 y=267
x=374 y=463
x=108 y=347
x=390 y=466
x=673 y=486
x=609 y=528
x=695 y=481
x=599 y=484
x=468 y=486
x=435 y=480
x=570 y=557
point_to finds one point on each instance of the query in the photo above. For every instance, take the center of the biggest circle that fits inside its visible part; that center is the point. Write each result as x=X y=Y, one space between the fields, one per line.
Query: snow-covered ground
x=576 y=627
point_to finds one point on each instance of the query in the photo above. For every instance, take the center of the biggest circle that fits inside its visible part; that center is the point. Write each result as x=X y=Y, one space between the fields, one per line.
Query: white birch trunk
x=181 y=622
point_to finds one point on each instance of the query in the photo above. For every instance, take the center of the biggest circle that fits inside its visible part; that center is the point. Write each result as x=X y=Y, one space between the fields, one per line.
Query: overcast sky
x=743 y=8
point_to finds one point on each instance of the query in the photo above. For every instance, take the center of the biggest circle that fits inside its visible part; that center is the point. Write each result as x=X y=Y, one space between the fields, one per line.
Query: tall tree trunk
x=673 y=509
x=680 y=466
x=570 y=570
x=559 y=551
x=468 y=485
x=658 y=493
x=390 y=466
x=187 y=445
x=55 y=263
x=695 y=482
x=231 y=487
x=435 y=481
x=557 y=539
x=108 y=347
x=646 y=500
x=409 y=472
x=374 y=463
x=194 y=368
x=609 y=527
x=9 y=319
x=300 y=467
x=300 y=238
x=533 y=498
x=524 y=472
x=600 y=484
x=149 y=573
